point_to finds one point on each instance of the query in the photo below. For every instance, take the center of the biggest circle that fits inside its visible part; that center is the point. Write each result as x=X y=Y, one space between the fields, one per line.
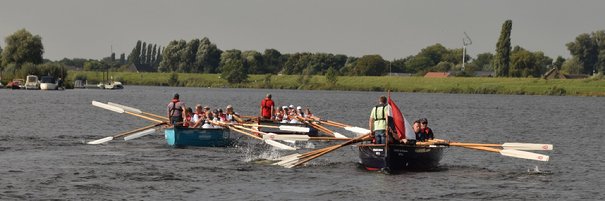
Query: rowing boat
x=400 y=156
x=273 y=128
x=200 y=137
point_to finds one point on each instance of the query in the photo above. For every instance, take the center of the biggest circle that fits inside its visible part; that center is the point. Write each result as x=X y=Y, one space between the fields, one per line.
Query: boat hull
x=312 y=131
x=199 y=137
x=400 y=157
x=48 y=86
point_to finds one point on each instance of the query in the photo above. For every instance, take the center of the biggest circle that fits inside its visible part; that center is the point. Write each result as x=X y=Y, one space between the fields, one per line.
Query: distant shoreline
x=458 y=85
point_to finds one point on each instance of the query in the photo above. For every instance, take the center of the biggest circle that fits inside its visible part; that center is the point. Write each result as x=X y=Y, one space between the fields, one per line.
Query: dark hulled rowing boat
x=312 y=131
x=201 y=137
x=400 y=156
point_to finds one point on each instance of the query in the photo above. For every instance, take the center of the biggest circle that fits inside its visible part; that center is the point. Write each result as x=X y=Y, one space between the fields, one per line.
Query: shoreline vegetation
x=458 y=85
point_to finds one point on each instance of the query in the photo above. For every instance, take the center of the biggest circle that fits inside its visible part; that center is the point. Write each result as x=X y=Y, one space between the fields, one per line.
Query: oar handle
x=137 y=130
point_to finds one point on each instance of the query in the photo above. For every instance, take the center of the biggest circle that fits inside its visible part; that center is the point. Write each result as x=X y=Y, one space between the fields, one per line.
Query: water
x=43 y=155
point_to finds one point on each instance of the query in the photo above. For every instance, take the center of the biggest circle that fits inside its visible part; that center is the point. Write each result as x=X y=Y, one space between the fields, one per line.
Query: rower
x=418 y=131
x=199 y=116
x=175 y=110
x=231 y=115
x=267 y=107
x=427 y=133
x=188 y=118
x=378 y=120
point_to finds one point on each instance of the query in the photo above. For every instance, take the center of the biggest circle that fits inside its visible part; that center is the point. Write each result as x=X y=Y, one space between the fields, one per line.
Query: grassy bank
x=470 y=85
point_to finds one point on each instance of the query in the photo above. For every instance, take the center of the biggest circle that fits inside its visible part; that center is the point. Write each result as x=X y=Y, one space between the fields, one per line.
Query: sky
x=393 y=29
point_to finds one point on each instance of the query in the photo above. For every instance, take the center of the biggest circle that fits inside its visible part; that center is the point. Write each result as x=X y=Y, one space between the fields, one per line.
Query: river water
x=43 y=154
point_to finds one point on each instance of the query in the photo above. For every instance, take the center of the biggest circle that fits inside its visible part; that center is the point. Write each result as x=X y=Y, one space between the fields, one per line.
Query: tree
x=255 y=62
x=134 y=56
x=143 y=55
x=584 y=48
x=372 y=65
x=187 y=57
x=558 y=62
x=502 y=58
x=272 y=60
x=572 y=66
x=122 y=59
x=154 y=53
x=233 y=67
x=332 y=76
x=483 y=61
x=22 y=47
x=522 y=62
x=171 y=56
x=208 y=56
x=148 y=57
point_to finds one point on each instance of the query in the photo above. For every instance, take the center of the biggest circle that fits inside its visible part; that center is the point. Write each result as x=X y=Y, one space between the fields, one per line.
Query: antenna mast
x=465 y=42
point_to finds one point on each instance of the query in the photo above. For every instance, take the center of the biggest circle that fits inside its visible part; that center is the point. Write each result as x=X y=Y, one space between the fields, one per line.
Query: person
x=427 y=132
x=308 y=113
x=175 y=110
x=232 y=116
x=199 y=116
x=279 y=114
x=299 y=112
x=267 y=107
x=378 y=120
x=221 y=116
x=418 y=131
x=188 y=118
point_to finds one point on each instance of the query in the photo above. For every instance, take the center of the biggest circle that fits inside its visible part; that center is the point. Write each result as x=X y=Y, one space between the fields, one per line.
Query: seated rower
x=425 y=130
x=308 y=113
x=198 y=117
x=188 y=118
x=222 y=117
x=418 y=131
x=232 y=116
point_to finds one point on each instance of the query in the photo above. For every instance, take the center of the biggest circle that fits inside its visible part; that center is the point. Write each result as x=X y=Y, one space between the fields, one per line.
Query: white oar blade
x=357 y=130
x=100 y=141
x=294 y=128
x=338 y=135
x=524 y=154
x=108 y=107
x=272 y=136
x=279 y=145
x=126 y=108
x=527 y=146
x=140 y=134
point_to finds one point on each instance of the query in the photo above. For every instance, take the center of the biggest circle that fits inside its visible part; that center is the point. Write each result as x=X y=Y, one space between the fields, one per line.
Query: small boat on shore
x=200 y=137
x=48 y=83
x=400 y=156
x=32 y=82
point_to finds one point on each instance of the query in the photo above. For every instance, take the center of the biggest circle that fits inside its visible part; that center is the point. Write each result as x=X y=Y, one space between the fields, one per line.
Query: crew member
x=427 y=132
x=378 y=120
x=267 y=107
x=418 y=131
x=175 y=110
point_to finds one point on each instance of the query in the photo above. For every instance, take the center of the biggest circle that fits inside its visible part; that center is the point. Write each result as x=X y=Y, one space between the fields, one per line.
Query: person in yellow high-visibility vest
x=378 y=120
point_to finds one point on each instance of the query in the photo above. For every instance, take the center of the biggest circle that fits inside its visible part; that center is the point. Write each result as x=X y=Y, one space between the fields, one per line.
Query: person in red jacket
x=267 y=107
x=425 y=130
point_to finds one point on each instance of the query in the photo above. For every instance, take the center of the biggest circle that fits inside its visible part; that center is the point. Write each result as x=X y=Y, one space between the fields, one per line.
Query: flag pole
x=386 y=134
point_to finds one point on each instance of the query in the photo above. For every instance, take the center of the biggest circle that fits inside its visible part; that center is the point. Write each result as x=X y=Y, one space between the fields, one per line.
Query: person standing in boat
x=267 y=108
x=427 y=133
x=378 y=120
x=176 y=108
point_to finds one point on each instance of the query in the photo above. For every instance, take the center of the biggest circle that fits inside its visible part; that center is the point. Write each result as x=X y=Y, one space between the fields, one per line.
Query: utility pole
x=465 y=42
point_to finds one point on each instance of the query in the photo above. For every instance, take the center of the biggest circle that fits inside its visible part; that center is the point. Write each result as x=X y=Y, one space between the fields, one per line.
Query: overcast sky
x=393 y=29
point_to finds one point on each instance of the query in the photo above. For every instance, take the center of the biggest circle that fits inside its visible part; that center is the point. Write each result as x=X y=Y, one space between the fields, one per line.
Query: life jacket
x=187 y=121
x=383 y=116
x=174 y=102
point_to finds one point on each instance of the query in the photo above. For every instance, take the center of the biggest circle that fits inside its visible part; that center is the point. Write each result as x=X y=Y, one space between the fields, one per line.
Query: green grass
x=469 y=85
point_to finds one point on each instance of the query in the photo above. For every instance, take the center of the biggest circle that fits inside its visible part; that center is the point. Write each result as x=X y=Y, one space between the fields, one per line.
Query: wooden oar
x=320 y=128
x=298 y=137
x=513 y=153
x=317 y=153
x=107 y=139
x=120 y=110
x=269 y=142
x=140 y=134
x=507 y=145
x=137 y=111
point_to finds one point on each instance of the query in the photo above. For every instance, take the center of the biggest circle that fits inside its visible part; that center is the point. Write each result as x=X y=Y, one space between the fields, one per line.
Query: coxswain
x=425 y=130
x=175 y=110
x=378 y=120
x=267 y=107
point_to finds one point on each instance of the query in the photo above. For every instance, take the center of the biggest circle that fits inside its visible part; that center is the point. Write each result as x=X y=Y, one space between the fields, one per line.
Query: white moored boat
x=32 y=82
x=48 y=83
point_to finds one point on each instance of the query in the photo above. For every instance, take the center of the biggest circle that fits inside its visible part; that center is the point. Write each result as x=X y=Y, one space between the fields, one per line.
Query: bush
x=173 y=80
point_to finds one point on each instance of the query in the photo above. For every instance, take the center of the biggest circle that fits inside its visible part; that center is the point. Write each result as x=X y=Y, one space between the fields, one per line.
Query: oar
x=317 y=153
x=281 y=127
x=509 y=145
x=321 y=128
x=298 y=137
x=107 y=139
x=137 y=111
x=269 y=142
x=140 y=134
x=120 y=110
x=513 y=153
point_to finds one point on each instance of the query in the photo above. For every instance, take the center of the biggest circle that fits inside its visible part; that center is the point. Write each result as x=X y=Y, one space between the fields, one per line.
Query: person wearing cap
x=199 y=116
x=378 y=120
x=231 y=115
x=426 y=132
x=267 y=107
x=299 y=112
x=175 y=110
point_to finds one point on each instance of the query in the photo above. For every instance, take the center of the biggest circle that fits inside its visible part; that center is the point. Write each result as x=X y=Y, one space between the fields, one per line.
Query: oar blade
x=527 y=146
x=338 y=135
x=100 y=141
x=140 y=134
x=357 y=130
x=524 y=155
x=279 y=145
x=107 y=107
x=294 y=128
x=272 y=136
x=126 y=108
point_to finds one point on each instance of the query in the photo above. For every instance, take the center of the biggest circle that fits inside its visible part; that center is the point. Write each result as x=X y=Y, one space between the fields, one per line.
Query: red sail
x=402 y=127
